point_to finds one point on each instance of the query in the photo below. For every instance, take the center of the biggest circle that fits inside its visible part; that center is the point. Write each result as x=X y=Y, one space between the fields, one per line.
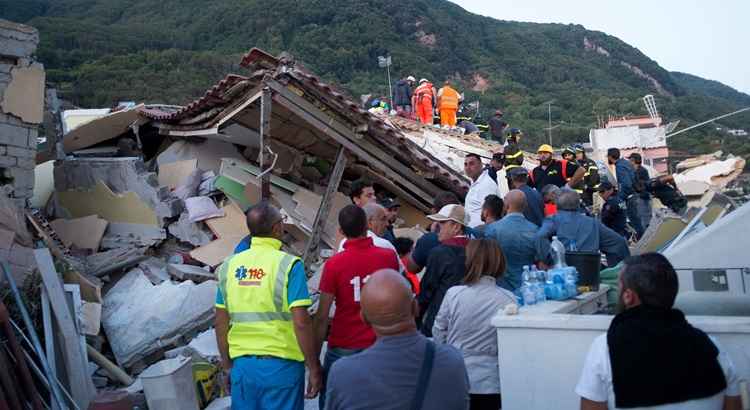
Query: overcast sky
x=704 y=38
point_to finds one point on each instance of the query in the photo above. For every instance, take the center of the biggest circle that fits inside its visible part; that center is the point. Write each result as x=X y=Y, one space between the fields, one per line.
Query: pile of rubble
x=139 y=204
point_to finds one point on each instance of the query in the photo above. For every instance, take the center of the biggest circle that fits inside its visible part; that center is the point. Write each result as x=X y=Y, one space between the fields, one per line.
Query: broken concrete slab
x=44 y=184
x=205 y=347
x=190 y=232
x=125 y=208
x=155 y=270
x=91 y=315
x=120 y=235
x=194 y=273
x=141 y=319
x=24 y=95
x=122 y=175
x=102 y=263
x=81 y=233
x=174 y=174
x=208 y=153
x=202 y=207
x=12 y=219
x=17 y=40
x=232 y=224
x=215 y=252
x=101 y=129
x=189 y=186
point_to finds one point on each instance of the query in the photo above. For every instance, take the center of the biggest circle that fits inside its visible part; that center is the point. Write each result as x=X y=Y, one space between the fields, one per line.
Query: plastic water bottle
x=571 y=278
x=558 y=253
x=537 y=280
x=527 y=288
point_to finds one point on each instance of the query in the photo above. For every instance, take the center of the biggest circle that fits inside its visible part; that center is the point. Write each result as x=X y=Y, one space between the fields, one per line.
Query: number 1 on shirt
x=357 y=283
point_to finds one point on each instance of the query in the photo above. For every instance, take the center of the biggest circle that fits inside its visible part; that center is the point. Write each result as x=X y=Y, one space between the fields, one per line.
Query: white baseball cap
x=451 y=212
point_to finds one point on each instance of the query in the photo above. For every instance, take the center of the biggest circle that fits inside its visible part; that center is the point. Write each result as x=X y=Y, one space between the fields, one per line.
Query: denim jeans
x=633 y=214
x=332 y=354
x=644 y=212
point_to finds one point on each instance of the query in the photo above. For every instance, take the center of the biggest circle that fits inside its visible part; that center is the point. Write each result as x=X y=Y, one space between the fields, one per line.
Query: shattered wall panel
x=24 y=96
x=122 y=176
x=140 y=319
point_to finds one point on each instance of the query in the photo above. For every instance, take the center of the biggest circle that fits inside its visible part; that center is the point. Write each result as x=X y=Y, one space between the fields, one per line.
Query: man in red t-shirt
x=343 y=277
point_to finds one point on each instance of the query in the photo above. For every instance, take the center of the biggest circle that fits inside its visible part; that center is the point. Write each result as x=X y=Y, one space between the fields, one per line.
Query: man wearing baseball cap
x=391 y=211
x=446 y=264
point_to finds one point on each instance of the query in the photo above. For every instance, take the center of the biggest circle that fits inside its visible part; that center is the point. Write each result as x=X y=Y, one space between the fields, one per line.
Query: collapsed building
x=140 y=203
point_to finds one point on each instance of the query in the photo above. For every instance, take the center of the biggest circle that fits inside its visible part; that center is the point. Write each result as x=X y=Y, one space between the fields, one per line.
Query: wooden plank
x=49 y=340
x=325 y=207
x=349 y=134
x=355 y=148
x=265 y=138
x=81 y=387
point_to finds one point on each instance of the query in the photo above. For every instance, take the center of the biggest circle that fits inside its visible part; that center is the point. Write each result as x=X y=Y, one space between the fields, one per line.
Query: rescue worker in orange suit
x=423 y=100
x=447 y=101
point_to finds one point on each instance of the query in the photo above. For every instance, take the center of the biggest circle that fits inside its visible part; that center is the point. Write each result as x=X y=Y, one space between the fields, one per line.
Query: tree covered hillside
x=100 y=51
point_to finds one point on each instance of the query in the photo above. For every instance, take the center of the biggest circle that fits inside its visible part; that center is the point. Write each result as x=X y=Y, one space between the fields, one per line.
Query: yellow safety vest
x=254 y=286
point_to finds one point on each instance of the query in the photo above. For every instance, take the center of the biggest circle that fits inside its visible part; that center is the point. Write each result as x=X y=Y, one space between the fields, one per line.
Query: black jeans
x=484 y=401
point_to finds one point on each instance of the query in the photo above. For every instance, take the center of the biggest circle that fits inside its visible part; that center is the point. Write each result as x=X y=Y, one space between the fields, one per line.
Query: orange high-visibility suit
x=448 y=106
x=422 y=102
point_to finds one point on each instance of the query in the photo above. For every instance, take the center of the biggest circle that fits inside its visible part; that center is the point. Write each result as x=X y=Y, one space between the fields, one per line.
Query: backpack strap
x=424 y=375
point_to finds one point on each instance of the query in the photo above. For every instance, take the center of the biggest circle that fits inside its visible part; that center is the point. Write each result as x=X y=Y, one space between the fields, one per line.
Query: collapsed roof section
x=311 y=117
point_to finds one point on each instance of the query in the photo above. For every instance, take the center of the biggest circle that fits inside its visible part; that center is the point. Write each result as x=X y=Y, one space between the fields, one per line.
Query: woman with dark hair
x=464 y=320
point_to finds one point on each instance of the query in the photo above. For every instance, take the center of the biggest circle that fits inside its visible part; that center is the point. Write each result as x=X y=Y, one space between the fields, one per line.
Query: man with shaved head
x=403 y=369
x=262 y=324
x=516 y=235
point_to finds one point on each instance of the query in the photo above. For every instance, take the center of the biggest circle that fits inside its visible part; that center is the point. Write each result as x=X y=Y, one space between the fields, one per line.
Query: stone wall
x=21 y=109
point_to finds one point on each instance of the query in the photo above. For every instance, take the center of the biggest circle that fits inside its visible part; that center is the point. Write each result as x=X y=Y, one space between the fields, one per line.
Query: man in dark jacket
x=625 y=175
x=613 y=210
x=445 y=265
x=641 y=180
x=402 y=92
x=497 y=126
x=591 y=177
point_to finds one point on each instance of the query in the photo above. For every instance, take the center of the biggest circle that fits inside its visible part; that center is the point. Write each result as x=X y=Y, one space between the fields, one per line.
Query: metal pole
x=265 y=139
x=56 y=394
x=549 y=121
x=390 y=87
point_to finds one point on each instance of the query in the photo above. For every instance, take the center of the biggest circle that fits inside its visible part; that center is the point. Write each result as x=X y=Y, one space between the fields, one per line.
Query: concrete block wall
x=21 y=78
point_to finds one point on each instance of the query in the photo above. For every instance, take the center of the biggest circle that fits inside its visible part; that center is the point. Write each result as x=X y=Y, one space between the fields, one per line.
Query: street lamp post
x=386 y=63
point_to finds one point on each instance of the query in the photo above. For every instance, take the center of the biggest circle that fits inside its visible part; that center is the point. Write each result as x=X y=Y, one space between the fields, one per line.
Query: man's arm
x=320 y=320
x=577 y=176
x=303 y=329
x=221 y=324
x=732 y=403
x=587 y=404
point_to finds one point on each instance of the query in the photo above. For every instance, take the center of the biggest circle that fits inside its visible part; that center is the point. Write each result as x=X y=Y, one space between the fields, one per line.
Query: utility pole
x=549 y=121
x=386 y=62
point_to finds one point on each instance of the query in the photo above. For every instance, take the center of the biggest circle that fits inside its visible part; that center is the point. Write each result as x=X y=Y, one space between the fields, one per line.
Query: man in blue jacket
x=625 y=175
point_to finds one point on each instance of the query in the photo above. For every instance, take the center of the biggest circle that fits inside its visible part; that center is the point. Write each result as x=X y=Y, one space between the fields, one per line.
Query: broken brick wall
x=21 y=112
x=21 y=109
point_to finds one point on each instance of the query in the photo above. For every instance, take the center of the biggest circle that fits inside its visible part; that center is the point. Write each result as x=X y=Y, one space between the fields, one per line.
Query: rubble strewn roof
x=220 y=104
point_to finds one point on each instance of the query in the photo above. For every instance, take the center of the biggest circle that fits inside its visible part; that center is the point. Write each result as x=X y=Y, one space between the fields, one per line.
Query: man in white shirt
x=651 y=357
x=481 y=186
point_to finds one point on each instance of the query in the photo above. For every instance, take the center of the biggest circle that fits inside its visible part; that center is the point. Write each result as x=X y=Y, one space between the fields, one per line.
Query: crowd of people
x=395 y=340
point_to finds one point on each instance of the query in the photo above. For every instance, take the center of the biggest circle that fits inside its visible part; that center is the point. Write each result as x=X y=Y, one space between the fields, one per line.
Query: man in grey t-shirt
x=385 y=376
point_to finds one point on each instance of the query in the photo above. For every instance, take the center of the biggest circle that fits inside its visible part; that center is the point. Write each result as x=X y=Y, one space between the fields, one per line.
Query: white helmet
x=410 y=78
x=424 y=80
